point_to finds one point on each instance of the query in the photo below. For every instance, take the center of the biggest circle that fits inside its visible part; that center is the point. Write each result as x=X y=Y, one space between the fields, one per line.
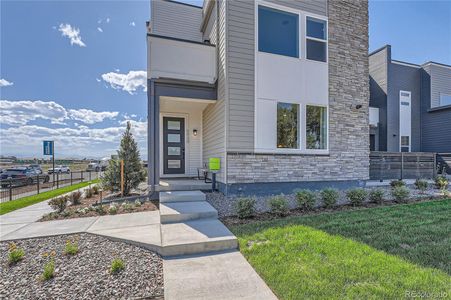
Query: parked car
x=21 y=176
x=59 y=169
x=93 y=167
x=37 y=168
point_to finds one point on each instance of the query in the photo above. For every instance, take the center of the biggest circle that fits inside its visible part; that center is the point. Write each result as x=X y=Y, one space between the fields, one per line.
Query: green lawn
x=10 y=206
x=389 y=252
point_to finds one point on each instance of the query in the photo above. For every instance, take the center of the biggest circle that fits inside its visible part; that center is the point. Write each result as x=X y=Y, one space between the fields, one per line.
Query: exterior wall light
x=195 y=132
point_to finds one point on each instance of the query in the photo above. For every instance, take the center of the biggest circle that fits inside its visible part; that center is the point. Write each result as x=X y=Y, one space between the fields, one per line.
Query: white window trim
x=306 y=15
x=305 y=128
x=410 y=105
x=302 y=56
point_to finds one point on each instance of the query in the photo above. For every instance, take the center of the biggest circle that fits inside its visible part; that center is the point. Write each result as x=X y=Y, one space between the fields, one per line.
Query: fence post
x=81 y=178
x=434 y=171
x=10 y=189
x=37 y=182
x=402 y=164
x=57 y=180
x=89 y=175
x=70 y=177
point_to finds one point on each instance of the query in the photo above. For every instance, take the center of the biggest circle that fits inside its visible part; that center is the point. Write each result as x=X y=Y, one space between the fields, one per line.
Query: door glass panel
x=173 y=150
x=174 y=164
x=174 y=138
x=174 y=125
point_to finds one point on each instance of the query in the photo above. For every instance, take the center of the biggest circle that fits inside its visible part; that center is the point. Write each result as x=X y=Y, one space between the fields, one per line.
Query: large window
x=287 y=125
x=316 y=127
x=316 y=39
x=278 y=32
x=445 y=99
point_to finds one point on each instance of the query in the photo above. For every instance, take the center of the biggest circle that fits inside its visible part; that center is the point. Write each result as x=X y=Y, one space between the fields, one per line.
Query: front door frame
x=187 y=154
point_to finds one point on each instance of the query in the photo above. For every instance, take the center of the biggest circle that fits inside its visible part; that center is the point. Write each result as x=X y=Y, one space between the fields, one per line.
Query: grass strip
x=13 y=205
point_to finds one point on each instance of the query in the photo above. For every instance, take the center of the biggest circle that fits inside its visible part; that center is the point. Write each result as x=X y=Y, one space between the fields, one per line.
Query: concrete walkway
x=179 y=229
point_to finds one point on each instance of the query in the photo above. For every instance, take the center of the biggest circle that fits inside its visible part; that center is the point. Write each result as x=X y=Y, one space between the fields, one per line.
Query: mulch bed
x=267 y=216
x=85 y=275
x=73 y=211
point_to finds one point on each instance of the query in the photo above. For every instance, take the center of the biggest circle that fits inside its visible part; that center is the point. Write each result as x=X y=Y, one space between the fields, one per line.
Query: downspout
x=151 y=137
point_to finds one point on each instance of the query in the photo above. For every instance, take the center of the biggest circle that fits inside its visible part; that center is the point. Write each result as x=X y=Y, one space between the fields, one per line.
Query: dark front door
x=173 y=145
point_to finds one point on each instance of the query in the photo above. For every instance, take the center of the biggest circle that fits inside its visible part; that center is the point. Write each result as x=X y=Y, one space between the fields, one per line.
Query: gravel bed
x=83 y=276
x=225 y=204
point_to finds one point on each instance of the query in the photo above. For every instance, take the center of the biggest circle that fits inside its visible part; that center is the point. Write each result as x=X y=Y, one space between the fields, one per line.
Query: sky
x=74 y=71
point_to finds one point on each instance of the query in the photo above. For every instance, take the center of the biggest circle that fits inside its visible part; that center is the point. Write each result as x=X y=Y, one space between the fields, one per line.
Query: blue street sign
x=48 y=147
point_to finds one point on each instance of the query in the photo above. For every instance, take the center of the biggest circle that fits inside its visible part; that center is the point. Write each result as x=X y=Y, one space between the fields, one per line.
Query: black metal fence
x=16 y=188
x=402 y=165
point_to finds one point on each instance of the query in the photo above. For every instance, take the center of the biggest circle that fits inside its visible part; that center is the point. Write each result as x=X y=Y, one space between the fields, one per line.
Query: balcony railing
x=181 y=59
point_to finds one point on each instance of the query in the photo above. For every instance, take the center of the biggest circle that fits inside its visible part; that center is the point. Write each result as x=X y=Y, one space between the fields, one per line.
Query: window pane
x=445 y=99
x=316 y=127
x=405 y=140
x=316 y=28
x=316 y=50
x=174 y=125
x=173 y=150
x=174 y=138
x=278 y=32
x=174 y=164
x=287 y=125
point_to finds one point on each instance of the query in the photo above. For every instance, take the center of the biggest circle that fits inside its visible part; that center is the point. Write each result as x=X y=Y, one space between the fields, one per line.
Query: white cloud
x=72 y=33
x=4 y=82
x=88 y=116
x=99 y=29
x=129 y=82
x=107 y=20
x=98 y=80
x=132 y=24
x=19 y=113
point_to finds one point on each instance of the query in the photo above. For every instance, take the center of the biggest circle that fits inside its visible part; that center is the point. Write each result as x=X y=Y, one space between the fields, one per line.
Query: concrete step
x=186 y=211
x=199 y=236
x=181 y=196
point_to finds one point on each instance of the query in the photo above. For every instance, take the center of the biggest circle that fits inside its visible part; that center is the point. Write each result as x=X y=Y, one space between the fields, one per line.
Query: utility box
x=214 y=164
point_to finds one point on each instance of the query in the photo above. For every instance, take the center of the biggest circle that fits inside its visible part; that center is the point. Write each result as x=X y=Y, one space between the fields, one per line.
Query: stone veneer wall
x=348 y=157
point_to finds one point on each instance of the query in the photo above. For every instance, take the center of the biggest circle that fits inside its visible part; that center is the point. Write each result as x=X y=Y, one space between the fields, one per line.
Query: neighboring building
x=410 y=105
x=278 y=90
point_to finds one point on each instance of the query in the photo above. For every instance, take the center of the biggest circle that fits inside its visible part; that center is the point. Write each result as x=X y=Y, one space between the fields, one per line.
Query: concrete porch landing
x=182 y=184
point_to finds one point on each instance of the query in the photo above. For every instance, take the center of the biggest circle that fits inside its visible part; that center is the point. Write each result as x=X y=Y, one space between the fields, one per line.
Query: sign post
x=49 y=147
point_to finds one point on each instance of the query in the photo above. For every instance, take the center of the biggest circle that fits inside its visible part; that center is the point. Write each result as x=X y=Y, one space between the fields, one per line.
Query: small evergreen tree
x=134 y=173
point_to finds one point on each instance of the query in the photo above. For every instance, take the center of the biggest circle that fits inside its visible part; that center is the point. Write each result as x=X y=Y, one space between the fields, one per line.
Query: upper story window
x=278 y=32
x=316 y=39
x=445 y=99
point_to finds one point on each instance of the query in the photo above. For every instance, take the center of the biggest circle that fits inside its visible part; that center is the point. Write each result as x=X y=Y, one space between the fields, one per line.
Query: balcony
x=181 y=59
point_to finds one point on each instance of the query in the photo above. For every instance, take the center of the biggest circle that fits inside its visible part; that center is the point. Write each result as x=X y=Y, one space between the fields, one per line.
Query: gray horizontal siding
x=314 y=6
x=440 y=83
x=240 y=62
x=176 y=20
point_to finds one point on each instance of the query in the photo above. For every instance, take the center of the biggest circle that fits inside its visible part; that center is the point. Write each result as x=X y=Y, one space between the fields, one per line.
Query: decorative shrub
x=245 y=208
x=441 y=183
x=59 y=203
x=75 y=198
x=421 y=185
x=306 y=199
x=397 y=183
x=95 y=189
x=112 y=210
x=138 y=203
x=279 y=205
x=15 y=254
x=117 y=265
x=127 y=206
x=400 y=194
x=71 y=247
x=329 y=197
x=376 y=196
x=49 y=270
x=356 y=196
x=89 y=193
x=100 y=209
